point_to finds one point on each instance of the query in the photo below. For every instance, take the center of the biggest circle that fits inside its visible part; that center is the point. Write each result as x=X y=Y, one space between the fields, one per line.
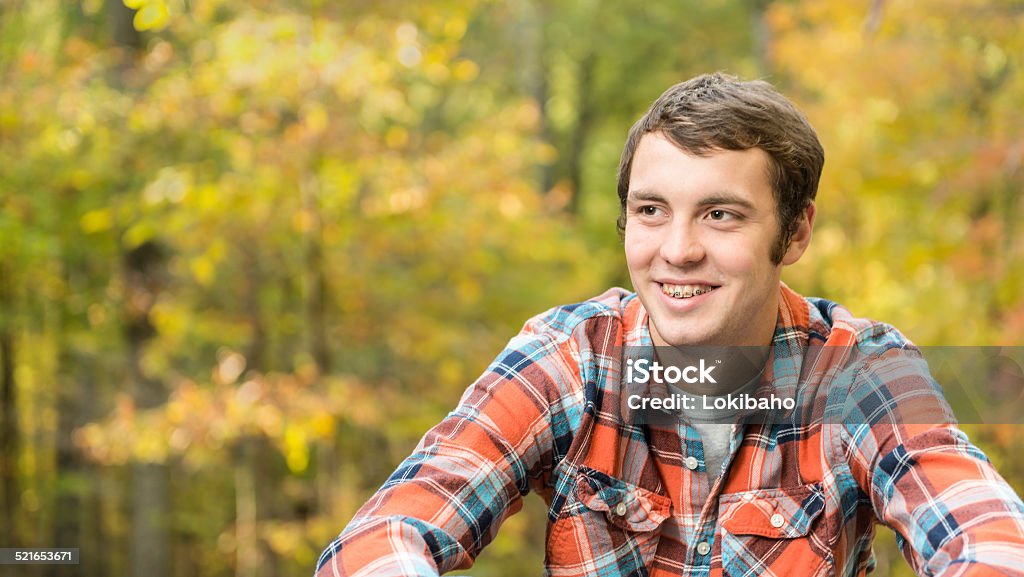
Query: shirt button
x=703 y=548
x=620 y=509
x=777 y=520
x=691 y=463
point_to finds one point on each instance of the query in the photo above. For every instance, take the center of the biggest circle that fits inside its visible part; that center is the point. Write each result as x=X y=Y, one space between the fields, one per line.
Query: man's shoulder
x=860 y=361
x=560 y=333
x=832 y=323
x=616 y=305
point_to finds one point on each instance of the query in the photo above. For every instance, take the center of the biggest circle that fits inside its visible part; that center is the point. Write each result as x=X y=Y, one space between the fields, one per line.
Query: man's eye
x=720 y=215
x=648 y=210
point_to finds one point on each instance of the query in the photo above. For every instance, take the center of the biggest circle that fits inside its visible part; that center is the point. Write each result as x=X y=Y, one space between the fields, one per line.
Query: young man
x=716 y=184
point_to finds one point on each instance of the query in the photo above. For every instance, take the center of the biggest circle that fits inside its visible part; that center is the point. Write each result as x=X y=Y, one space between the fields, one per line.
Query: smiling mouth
x=686 y=291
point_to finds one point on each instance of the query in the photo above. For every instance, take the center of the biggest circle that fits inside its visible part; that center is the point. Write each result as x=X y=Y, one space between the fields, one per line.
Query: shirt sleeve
x=445 y=502
x=952 y=512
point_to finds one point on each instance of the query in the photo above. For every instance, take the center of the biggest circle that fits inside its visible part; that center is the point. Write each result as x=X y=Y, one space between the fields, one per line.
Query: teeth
x=685 y=291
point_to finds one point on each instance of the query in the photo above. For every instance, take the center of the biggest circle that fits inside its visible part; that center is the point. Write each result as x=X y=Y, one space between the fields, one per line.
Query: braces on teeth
x=679 y=293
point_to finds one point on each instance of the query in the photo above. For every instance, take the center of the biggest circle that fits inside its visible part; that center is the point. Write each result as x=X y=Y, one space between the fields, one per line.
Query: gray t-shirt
x=715 y=438
x=716 y=428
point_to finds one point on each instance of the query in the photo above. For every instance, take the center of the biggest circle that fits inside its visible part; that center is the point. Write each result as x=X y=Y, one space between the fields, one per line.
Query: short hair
x=722 y=112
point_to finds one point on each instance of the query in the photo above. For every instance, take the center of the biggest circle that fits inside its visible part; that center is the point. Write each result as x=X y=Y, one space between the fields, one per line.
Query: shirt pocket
x=775 y=529
x=607 y=525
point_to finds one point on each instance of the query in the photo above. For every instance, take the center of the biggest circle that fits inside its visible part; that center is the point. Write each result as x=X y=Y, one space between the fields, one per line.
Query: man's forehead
x=660 y=145
x=717 y=175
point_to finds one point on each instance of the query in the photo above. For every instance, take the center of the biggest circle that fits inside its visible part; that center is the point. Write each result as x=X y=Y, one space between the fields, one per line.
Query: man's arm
x=445 y=502
x=954 y=514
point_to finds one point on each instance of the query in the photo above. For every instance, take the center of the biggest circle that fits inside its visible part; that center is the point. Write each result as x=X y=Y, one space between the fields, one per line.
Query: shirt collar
x=789 y=343
x=781 y=377
x=791 y=327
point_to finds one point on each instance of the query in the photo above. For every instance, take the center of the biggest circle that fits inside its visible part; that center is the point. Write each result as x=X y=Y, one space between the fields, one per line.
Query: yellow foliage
x=296 y=449
x=151 y=16
x=98 y=220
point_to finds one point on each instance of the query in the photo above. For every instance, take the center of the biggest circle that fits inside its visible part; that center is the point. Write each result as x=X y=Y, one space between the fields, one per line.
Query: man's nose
x=682 y=245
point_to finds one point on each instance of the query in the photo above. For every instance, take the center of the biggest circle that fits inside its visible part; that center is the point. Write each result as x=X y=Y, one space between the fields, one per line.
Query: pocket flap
x=785 y=513
x=625 y=505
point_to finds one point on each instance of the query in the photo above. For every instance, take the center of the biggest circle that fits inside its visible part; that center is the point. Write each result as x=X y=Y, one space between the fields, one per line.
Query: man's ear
x=801 y=236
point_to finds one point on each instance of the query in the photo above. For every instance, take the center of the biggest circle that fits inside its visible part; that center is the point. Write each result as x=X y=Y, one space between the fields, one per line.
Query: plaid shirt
x=627 y=499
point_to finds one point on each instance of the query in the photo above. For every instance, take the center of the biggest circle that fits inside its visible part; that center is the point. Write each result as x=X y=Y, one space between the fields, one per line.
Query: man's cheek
x=635 y=258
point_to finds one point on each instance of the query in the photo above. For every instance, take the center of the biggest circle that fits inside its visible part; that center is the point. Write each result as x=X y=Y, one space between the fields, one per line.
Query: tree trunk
x=149 y=550
x=328 y=463
x=10 y=441
x=253 y=487
x=122 y=27
x=316 y=282
x=76 y=396
x=255 y=357
x=761 y=34
x=248 y=553
x=532 y=33
x=581 y=133
x=143 y=274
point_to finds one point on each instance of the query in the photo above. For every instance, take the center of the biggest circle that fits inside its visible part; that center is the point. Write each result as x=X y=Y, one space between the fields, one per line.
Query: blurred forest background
x=251 y=251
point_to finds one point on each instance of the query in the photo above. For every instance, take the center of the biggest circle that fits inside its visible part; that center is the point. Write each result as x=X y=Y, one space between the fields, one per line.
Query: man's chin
x=687 y=341
x=680 y=336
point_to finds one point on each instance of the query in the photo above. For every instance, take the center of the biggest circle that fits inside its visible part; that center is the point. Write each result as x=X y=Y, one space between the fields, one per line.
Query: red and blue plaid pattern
x=624 y=499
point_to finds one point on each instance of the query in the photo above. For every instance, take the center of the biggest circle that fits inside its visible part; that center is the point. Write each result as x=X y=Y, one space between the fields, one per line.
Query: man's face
x=699 y=234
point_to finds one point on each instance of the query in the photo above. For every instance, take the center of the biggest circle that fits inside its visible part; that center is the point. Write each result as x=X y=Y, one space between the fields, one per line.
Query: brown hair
x=719 y=111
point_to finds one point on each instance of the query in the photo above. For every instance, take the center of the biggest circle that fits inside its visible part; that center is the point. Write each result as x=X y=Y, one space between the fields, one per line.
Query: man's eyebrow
x=721 y=198
x=726 y=198
x=642 y=194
